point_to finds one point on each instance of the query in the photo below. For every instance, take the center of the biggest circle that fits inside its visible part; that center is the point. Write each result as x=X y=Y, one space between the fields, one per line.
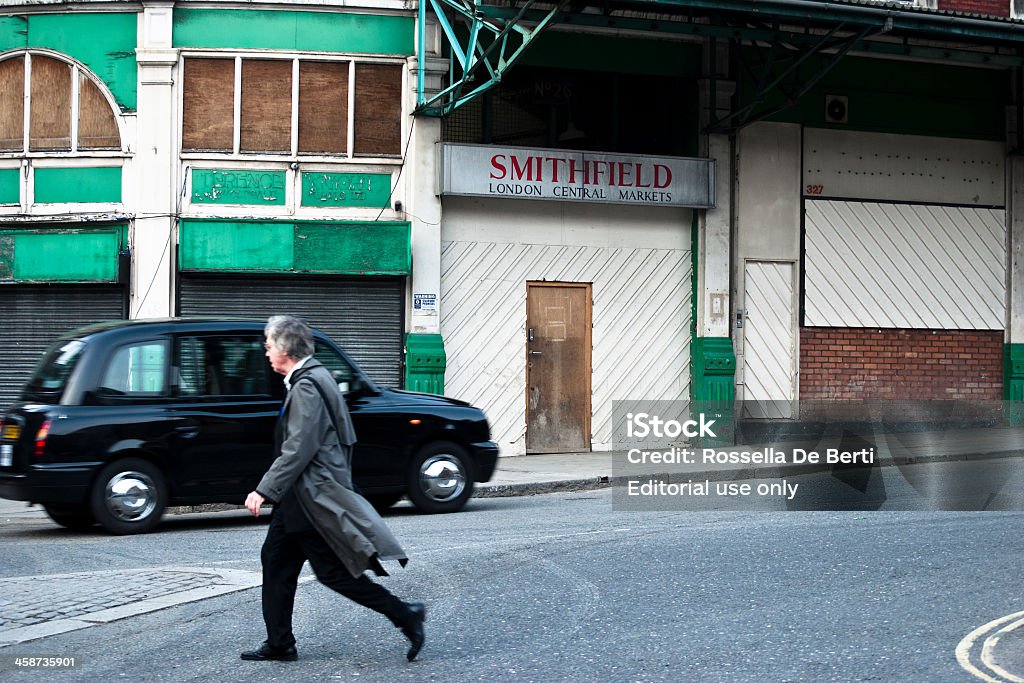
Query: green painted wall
x=296 y=247
x=901 y=97
x=371 y=190
x=103 y=41
x=59 y=185
x=224 y=186
x=43 y=255
x=217 y=245
x=282 y=30
x=10 y=182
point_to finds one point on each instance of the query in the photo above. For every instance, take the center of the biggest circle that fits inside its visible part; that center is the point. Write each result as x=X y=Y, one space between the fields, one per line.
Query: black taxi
x=120 y=420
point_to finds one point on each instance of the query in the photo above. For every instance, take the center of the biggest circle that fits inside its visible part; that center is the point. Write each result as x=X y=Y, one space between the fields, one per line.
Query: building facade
x=757 y=200
x=167 y=158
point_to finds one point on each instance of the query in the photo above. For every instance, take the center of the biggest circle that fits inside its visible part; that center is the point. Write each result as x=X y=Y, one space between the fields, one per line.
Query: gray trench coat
x=316 y=458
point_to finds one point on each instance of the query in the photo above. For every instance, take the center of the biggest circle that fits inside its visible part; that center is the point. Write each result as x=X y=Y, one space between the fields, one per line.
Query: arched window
x=51 y=105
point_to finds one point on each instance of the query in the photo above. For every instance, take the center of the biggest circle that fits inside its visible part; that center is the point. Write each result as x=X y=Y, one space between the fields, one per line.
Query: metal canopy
x=479 y=40
x=483 y=40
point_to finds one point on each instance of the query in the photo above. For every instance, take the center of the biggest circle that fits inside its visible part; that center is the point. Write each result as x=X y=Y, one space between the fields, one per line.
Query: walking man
x=318 y=515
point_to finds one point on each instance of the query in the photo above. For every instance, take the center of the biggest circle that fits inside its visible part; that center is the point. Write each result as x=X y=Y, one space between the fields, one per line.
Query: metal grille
x=363 y=316
x=34 y=316
x=904 y=266
x=464 y=124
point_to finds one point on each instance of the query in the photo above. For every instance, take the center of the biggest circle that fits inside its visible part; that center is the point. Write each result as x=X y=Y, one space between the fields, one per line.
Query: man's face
x=278 y=360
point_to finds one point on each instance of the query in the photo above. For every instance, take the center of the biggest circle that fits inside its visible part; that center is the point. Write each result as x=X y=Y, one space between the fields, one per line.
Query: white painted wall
x=768 y=192
x=639 y=263
x=903 y=168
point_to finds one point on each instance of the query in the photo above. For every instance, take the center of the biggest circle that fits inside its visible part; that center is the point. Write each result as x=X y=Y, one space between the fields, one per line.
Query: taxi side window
x=338 y=367
x=136 y=370
x=221 y=366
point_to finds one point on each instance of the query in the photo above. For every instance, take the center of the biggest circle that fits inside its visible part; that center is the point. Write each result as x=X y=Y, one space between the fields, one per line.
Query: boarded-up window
x=209 y=105
x=266 y=106
x=52 y=107
x=12 y=104
x=378 y=115
x=97 y=128
x=50 y=117
x=323 y=107
x=264 y=103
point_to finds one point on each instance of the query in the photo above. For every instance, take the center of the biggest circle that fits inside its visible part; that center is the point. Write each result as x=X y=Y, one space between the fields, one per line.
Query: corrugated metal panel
x=904 y=266
x=641 y=318
x=363 y=316
x=34 y=316
x=769 y=355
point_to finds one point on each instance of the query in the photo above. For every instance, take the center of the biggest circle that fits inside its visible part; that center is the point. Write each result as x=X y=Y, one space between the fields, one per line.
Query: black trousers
x=284 y=554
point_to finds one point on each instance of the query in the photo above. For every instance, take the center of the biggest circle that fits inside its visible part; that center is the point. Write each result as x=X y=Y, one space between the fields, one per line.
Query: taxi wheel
x=71 y=516
x=440 y=478
x=129 y=497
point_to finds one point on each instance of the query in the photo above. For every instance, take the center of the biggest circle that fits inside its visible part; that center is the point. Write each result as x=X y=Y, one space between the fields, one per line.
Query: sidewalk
x=531 y=474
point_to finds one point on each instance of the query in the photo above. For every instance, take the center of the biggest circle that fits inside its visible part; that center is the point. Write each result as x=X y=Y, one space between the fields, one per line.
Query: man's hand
x=253 y=502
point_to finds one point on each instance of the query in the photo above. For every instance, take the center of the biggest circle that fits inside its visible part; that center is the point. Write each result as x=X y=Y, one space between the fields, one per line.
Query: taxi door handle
x=188 y=431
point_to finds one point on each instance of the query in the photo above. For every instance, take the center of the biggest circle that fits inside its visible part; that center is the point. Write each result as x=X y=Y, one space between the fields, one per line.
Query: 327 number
x=815 y=189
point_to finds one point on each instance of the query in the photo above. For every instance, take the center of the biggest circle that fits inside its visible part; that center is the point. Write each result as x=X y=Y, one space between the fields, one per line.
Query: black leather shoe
x=266 y=653
x=413 y=629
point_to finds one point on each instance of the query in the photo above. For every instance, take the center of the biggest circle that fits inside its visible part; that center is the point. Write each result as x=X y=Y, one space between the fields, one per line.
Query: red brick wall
x=839 y=363
x=997 y=8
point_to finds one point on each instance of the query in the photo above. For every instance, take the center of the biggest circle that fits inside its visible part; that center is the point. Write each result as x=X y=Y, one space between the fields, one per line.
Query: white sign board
x=570 y=176
x=424 y=302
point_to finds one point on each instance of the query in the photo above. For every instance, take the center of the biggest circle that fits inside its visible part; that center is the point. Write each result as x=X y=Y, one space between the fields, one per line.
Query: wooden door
x=557 y=367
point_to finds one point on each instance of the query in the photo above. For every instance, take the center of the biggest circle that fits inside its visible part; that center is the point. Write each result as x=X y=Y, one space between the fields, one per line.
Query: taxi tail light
x=44 y=431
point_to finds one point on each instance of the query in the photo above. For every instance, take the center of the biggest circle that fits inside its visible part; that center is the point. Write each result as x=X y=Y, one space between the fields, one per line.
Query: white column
x=714 y=243
x=424 y=206
x=424 y=211
x=715 y=247
x=154 y=166
x=1015 y=195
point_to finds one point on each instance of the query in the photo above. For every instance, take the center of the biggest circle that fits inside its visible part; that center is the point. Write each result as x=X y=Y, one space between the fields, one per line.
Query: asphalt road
x=561 y=588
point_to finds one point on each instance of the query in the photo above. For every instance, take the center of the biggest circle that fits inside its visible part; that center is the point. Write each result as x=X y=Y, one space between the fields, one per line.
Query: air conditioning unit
x=837 y=109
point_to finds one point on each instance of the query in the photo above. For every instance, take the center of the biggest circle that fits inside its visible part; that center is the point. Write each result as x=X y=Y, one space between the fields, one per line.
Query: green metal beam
x=492 y=46
x=748 y=33
x=834 y=49
x=498 y=36
x=931 y=24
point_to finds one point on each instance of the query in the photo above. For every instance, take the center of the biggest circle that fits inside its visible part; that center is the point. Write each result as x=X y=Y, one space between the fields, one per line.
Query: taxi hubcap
x=442 y=478
x=131 y=496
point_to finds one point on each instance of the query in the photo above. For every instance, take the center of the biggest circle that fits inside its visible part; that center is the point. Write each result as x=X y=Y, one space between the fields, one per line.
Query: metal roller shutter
x=34 y=316
x=363 y=316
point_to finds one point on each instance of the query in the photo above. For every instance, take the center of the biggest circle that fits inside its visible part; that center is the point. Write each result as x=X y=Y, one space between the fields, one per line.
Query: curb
x=535 y=488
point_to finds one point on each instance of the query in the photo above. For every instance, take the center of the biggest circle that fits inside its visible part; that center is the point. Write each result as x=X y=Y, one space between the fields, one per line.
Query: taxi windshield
x=52 y=372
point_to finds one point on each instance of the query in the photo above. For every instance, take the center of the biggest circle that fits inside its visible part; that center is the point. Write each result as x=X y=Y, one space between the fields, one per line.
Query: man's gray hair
x=290 y=335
